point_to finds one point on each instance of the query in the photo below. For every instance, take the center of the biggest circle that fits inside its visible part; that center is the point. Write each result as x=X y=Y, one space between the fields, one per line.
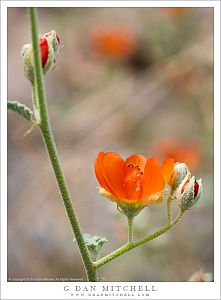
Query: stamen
x=130 y=165
x=138 y=175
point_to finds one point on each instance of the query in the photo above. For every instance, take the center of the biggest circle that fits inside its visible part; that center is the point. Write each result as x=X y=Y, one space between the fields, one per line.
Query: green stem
x=52 y=151
x=133 y=245
x=130 y=229
x=35 y=103
x=169 y=215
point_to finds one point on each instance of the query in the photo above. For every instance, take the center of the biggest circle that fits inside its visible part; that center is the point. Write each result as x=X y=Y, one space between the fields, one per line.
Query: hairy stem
x=169 y=215
x=35 y=102
x=133 y=245
x=52 y=150
x=130 y=229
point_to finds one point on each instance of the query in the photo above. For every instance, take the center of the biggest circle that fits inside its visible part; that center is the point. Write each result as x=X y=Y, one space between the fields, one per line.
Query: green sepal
x=130 y=210
x=94 y=243
x=21 y=109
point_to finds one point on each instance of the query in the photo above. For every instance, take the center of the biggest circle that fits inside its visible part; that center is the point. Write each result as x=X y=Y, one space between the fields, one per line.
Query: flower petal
x=136 y=160
x=44 y=50
x=113 y=170
x=98 y=172
x=167 y=169
x=153 y=180
x=132 y=185
x=155 y=198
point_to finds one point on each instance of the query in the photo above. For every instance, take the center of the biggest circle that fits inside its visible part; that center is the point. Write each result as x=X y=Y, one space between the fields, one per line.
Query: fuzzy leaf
x=94 y=243
x=21 y=109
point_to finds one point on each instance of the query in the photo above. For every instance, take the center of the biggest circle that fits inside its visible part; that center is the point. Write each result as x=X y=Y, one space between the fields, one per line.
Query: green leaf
x=94 y=243
x=21 y=109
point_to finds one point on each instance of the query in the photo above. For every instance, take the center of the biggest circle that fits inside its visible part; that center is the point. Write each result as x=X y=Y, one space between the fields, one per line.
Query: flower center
x=134 y=174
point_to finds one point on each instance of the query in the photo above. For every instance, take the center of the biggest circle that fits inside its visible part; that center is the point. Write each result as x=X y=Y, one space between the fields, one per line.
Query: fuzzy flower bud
x=189 y=193
x=181 y=173
x=44 y=51
x=49 y=45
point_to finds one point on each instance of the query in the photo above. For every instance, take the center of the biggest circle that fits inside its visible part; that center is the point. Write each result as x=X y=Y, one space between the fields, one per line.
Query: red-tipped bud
x=44 y=50
x=189 y=193
x=185 y=189
x=49 y=48
x=58 y=39
x=196 y=187
x=184 y=186
x=200 y=276
x=181 y=174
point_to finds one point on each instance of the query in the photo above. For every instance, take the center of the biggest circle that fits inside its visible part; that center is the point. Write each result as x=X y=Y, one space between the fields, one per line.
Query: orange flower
x=113 y=41
x=187 y=152
x=136 y=180
x=176 y=10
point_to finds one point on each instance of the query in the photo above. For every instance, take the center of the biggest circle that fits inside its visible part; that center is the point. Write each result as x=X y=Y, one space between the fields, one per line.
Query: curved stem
x=52 y=151
x=130 y=229
x=169 y=215
x=133 y=245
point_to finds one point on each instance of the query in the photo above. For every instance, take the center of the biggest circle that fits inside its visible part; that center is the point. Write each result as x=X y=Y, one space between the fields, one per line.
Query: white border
x=217 y=178
x=165 y=290
x=85 y=3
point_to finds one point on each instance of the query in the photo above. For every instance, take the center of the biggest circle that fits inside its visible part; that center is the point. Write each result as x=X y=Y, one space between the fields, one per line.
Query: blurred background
x=129 y=80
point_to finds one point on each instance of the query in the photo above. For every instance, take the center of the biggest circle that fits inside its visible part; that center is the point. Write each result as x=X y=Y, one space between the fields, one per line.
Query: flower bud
x=201 y=276
x=44 y=51
x=53 y=40
x=189 y=193
x=49 y=45
x=180 y=173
